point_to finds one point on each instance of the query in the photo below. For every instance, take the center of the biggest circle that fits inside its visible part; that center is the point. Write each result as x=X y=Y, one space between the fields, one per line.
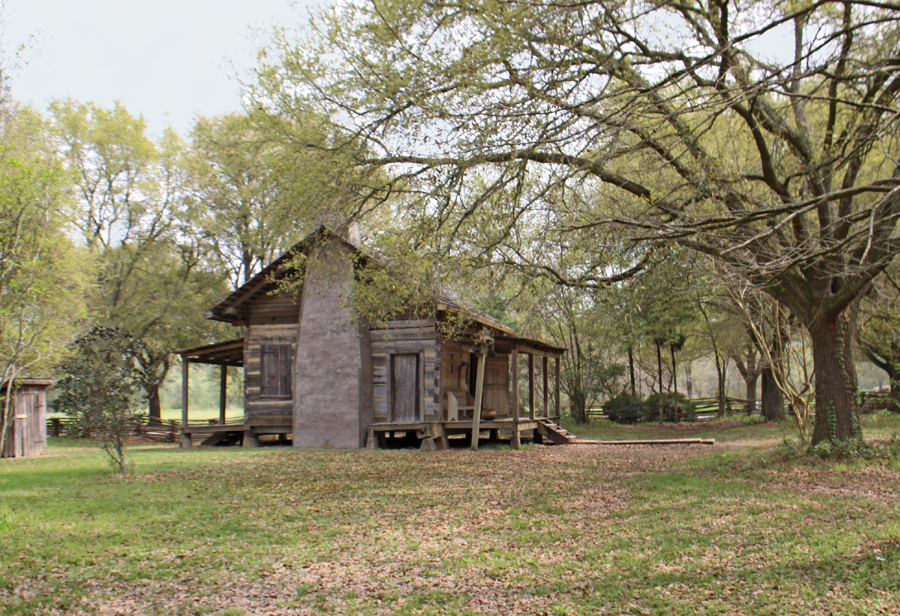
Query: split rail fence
x=707 y=409
x=165 y=431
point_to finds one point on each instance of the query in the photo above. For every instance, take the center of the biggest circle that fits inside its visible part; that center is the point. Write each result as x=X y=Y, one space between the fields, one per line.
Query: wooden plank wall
x=28 y=437
x=456 y=365
x=273 y=320
x=403 y=337
x=455 y=375
x=496 y=386
x=280 y=309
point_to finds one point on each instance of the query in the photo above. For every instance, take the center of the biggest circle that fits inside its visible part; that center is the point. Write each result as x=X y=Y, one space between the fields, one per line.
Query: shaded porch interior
x=223 y=431
x=480 y=391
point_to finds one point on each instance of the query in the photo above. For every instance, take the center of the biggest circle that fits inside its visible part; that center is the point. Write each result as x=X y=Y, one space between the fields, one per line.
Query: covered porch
x=223 y=430
x=531 y=405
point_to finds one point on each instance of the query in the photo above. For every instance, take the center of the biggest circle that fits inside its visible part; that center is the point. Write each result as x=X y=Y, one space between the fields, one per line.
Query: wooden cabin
x=28 y=432
x=317 y=373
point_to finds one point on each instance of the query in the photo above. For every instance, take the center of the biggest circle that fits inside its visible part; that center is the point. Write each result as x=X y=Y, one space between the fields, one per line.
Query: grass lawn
x=581 y=529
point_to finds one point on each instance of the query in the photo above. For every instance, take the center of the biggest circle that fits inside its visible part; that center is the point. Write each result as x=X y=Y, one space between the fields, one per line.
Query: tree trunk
x=154 y=407
x=720 y=384
x=722 y=394
x=631 y=369
x=837 y=411
x=772 y=403
x=674 y=370
x=659 y=366
x=750 y=380
x=576 y=406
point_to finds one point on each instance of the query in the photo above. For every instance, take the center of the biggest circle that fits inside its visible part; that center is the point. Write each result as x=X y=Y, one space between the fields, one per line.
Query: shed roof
x=32 y=382
x=227 y=353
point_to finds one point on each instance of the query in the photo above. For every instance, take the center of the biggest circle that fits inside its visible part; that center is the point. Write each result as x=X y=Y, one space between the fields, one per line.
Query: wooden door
x=405 y=384
x=496 y=385
x=23 y=434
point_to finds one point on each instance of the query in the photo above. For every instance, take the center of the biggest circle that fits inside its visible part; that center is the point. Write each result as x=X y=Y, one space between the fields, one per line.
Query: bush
x=626 y=409
x=98 y=385
x=675 y=407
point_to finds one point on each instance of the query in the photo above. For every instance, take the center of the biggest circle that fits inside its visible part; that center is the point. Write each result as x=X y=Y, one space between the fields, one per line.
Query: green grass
x=557 y=530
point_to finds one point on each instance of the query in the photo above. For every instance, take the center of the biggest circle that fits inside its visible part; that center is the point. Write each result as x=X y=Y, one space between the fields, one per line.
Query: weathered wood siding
x=406 y=364
x=255 y=404
x=28 y=436
x=280 y=309
x=455 y=373
x=457 y=368
x=496 y=385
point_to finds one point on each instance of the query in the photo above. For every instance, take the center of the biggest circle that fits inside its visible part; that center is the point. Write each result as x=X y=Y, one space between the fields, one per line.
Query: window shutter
x=275 y=370
x=285 y=372
x=268 y=367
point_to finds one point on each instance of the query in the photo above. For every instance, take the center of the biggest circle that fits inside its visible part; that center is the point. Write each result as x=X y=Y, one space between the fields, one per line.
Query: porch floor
x=434 y=434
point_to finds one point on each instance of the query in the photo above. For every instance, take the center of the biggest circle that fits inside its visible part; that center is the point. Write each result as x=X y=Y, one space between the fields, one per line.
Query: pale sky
x=166 y=59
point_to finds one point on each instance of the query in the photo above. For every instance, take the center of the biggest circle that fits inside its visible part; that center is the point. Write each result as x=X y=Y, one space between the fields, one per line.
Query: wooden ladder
x=554 y=432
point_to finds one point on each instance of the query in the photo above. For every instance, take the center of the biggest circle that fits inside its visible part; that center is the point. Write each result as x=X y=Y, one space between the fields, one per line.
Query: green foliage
x=626 y=409
x=855 y=449
x=43 y=277
x=98 y=386
x=153 y=279
x=541 y=114
x=670 y=407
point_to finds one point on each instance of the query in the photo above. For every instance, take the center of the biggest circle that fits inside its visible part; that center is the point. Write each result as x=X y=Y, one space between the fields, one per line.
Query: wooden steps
x=557 y=434
x=223 y=439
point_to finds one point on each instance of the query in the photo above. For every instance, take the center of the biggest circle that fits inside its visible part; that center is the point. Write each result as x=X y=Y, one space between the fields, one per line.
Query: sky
x=167 y=60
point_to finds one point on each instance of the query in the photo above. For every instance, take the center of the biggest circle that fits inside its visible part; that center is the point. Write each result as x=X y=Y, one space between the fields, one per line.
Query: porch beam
x=479 y=391
x=185 y=384
x=514 y=381
x=223 y=392
x=556 y=392
x=546 y=380
x=531 y=385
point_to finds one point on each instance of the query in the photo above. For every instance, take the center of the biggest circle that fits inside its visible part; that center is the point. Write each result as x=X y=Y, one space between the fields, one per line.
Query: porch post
x=556 y=392
x=531 y=386
x=223 y=389
x=479 y=390
x=545 y=377
x=185 y=384
x=514 y=381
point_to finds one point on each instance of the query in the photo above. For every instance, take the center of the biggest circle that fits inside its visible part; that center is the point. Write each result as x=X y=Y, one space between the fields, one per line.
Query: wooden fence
x=166 y=431
x=707 y=409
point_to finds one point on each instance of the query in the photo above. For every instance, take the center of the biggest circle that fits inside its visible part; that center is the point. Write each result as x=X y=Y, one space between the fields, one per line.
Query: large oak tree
x=762 y=134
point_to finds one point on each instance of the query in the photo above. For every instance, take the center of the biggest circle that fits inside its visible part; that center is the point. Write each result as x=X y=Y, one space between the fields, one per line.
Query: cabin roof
x=232 y=308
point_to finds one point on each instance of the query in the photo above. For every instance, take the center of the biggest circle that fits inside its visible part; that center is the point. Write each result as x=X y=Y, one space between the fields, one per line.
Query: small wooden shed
x=28 y=430
x=316 y=372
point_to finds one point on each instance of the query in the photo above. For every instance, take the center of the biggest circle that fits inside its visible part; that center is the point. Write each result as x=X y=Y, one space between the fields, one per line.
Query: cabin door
x=406 y=387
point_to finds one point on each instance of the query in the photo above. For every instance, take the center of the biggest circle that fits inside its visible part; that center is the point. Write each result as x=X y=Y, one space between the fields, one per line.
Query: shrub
x=98 y=386
x=675 y=407
x=626 y=409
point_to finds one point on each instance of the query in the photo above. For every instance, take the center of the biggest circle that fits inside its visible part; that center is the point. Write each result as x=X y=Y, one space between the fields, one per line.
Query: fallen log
x=665 y=441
